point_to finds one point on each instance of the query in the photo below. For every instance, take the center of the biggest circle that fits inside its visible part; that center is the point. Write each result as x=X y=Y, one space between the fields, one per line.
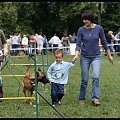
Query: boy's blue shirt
x=58 y=72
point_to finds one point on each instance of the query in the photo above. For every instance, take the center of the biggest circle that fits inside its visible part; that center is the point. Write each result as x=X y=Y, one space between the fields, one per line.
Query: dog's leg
x=25 y=94
x=24 y=91
x=30 y=94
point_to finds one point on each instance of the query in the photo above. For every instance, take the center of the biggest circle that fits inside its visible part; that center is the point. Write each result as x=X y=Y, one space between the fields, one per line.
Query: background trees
x=59 y=17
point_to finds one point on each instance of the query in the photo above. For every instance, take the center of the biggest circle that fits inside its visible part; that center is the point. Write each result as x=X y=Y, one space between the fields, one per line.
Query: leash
x=4 y=63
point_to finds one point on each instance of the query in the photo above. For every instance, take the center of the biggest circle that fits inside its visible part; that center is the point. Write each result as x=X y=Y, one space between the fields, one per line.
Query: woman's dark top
x=88 y=41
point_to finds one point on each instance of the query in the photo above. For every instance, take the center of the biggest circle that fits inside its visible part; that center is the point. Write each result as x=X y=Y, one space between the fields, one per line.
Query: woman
x=88 y=45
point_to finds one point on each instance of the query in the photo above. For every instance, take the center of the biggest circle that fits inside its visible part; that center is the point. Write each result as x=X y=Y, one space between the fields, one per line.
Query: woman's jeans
x=85 y=63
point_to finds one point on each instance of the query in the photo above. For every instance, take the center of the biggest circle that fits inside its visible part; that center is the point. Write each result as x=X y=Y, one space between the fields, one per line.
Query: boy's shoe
x=53 y=105
x=59 y=102
x=56 y=103
x=96 y=102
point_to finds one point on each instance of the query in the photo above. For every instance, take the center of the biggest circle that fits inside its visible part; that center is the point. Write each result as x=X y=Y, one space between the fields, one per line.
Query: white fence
x=70 y=48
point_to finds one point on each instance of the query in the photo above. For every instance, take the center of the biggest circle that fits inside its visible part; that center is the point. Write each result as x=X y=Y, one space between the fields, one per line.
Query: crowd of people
x=18 y=42
x=25 y=42
x=66 y=43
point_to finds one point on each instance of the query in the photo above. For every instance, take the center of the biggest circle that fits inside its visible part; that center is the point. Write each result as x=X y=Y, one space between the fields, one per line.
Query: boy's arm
x=49 y=73
x=70 y=64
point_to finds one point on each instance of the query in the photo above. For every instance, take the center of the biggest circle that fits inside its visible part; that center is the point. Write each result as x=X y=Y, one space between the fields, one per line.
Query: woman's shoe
x=96 y=102
x=81 y=102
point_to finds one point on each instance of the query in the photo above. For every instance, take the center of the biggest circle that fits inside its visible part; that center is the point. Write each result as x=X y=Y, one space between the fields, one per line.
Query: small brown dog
x=29 y=82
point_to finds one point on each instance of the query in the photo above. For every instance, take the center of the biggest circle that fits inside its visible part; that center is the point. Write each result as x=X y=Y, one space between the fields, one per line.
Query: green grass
x=109 y=86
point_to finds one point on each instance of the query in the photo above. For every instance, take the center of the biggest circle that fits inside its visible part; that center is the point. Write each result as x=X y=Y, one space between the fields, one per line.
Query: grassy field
x=70 y=107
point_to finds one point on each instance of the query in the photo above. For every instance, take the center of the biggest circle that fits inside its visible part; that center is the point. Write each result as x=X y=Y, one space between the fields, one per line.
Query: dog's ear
x=39 y=69
x=42 y=73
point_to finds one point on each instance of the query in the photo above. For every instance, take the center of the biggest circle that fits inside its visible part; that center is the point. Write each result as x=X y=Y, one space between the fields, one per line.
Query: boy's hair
x=58 y=51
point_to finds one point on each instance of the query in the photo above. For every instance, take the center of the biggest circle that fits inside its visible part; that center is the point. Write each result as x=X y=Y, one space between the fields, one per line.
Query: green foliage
x=59 y=17
x=8 y=15
x=69 y=10
x=110 y=16
x=25 y=12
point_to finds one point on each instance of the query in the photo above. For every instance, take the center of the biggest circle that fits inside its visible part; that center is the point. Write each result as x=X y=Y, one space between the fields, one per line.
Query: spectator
x=9 y=45
x=44 y=44
x=39 y=42
x=65 y=43
x=109 y=39
x=117 y=41
x=3 y=45
x=73 y=40
x=19 y=38
x=100 y=45
x=54 y=41
x=32 y=43
x=15 y=44
x=25 y=43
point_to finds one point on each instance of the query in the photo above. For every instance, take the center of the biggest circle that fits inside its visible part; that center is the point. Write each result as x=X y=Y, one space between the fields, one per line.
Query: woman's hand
x=75 y=57
x=109 y=56
x=110 y=59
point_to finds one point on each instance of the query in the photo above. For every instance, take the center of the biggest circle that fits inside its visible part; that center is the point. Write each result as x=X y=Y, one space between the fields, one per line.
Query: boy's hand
x=75 y=59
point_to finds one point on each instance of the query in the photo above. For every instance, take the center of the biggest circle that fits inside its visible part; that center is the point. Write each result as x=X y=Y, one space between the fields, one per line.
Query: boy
x=58 y=76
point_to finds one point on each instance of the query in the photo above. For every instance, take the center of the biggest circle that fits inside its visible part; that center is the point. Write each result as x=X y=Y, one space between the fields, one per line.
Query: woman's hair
x=58 y=51
x=87 y=15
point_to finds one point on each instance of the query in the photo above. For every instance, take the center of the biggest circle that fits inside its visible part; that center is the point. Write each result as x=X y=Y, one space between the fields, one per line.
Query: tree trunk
x=99 y=13
x=66 y=30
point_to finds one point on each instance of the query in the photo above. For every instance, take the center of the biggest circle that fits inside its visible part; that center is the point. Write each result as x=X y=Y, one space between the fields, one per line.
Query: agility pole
x=26 y=64
x=12 y=75
x=17 y=98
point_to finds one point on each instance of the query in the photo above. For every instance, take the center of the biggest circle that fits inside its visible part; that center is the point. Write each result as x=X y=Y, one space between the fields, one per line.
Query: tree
x=8 y=17
x=111 y=15
x=25 y=19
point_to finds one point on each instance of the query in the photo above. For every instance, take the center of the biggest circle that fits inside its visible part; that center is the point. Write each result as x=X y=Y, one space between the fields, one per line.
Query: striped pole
x=26 y=64
x=11 y=75
x=17 y=98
